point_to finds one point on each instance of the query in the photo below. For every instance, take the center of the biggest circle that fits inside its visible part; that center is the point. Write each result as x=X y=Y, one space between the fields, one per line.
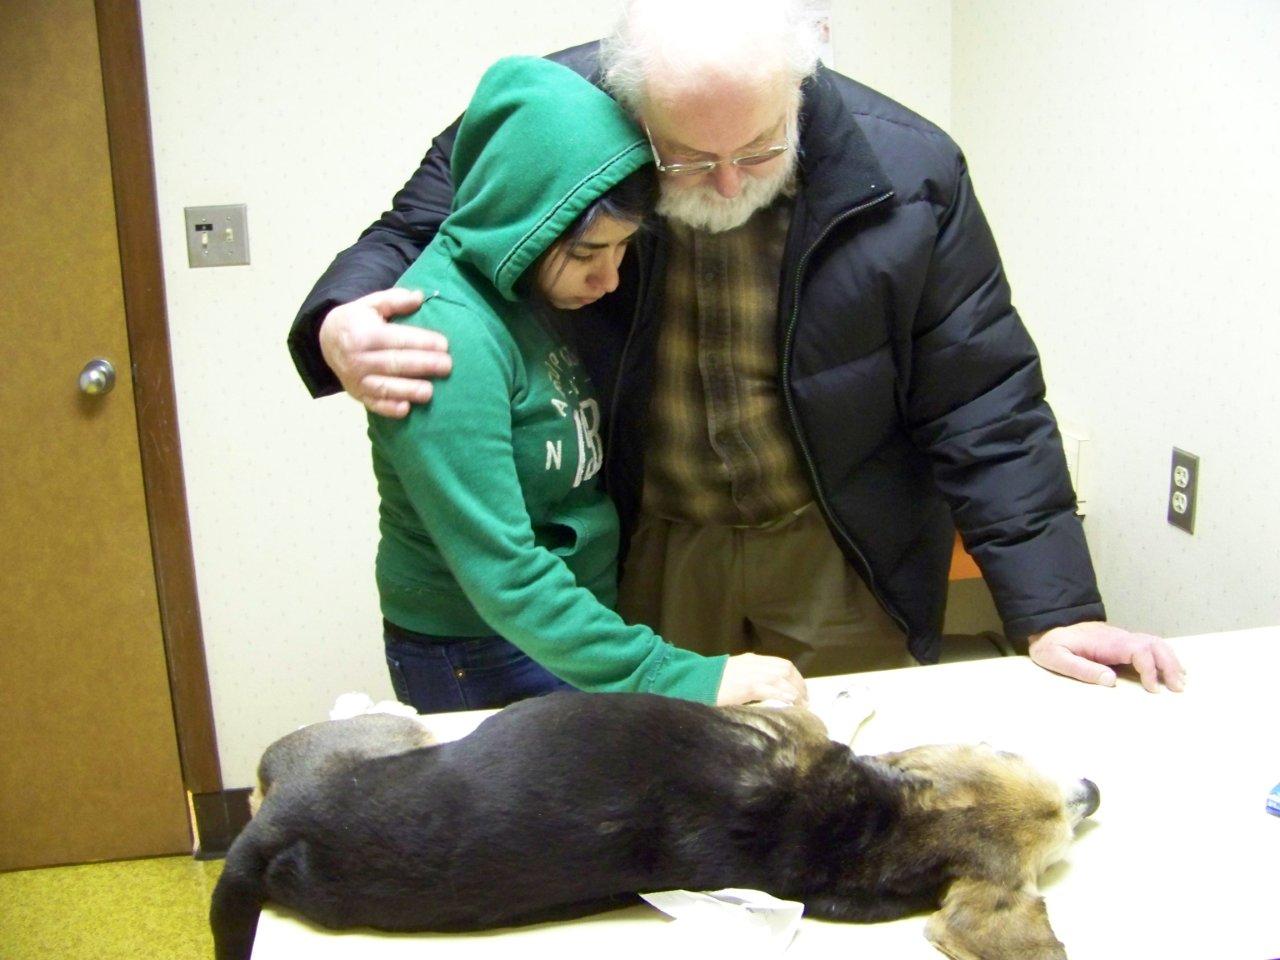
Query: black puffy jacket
x=913 y=390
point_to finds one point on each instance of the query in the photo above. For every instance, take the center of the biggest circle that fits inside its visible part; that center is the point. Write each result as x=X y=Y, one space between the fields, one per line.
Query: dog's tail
x=238 y=898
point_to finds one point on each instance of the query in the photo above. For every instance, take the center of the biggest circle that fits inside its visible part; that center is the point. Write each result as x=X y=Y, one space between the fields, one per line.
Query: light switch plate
x=217 y=236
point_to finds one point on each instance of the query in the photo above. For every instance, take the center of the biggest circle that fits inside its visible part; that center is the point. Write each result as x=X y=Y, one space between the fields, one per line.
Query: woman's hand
x=749 y=677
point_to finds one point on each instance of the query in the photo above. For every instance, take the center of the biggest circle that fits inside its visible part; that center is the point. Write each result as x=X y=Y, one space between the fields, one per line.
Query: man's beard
x=701 y=208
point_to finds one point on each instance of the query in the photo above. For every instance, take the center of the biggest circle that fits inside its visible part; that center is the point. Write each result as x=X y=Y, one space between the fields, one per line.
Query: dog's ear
x=980 y=920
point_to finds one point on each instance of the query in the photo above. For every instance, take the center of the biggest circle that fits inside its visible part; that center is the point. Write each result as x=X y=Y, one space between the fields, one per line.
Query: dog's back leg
x=238 y=898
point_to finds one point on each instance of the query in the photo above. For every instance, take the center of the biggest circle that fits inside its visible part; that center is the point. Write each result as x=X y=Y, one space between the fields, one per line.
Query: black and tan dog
x=573 y=803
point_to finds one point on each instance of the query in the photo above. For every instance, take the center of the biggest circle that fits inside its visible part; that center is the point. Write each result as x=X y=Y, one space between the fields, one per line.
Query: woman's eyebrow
x=596 y=245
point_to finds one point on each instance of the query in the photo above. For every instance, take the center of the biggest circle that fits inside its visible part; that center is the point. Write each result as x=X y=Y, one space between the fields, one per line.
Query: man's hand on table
x=1087 y=651
x=381 y=364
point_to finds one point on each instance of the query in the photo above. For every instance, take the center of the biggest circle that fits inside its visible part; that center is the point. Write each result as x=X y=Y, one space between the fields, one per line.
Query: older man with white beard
x=812 y=362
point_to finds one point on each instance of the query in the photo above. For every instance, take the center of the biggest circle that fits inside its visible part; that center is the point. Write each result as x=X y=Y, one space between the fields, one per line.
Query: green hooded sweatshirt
x=492 y=520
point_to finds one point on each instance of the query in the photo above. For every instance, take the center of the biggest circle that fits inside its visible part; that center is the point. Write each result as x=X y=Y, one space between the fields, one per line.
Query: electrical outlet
x=217 y=236
x=1184 y=484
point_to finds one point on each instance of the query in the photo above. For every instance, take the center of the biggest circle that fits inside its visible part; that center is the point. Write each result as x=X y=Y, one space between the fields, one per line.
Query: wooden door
x=89 y=764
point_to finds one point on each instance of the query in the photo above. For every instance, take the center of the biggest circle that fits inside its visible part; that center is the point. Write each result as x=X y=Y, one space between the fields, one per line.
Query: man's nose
x=727 y=180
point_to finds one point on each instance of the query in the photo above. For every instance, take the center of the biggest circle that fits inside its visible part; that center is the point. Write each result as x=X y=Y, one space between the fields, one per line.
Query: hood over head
x=537 y=146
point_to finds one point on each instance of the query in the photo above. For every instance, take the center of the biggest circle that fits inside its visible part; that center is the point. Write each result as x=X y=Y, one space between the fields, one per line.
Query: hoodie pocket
x=561 y=535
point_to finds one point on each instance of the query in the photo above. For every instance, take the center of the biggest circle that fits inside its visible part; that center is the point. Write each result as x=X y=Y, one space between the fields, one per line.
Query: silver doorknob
x=98 y=376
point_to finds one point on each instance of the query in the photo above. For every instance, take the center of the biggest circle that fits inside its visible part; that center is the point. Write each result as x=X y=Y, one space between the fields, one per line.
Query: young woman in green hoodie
x=497 y=565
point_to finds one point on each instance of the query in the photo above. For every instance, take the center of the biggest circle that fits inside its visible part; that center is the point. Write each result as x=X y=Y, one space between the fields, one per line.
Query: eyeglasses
x=706 y=166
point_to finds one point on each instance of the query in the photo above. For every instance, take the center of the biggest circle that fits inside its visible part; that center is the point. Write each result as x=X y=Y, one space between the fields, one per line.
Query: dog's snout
x=1087 y=798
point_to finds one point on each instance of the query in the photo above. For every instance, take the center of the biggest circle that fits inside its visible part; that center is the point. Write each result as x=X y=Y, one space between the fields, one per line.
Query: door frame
x=216 y=815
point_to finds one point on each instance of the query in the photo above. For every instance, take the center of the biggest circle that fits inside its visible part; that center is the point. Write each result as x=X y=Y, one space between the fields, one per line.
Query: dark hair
x=631 y=200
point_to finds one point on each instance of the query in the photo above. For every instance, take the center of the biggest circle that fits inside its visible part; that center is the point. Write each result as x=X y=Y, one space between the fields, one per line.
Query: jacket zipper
x=827 y=513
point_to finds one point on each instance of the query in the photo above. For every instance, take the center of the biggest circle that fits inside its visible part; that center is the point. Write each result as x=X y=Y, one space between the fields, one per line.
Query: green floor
x=136 y=909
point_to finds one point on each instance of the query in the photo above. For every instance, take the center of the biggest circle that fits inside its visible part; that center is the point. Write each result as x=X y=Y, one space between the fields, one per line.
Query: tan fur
x=801 y=733
x=989 y=809
x=994 y=795
x=980 y=920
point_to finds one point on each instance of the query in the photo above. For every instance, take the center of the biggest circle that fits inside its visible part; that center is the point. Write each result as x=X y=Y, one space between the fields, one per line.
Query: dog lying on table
x=572 y=803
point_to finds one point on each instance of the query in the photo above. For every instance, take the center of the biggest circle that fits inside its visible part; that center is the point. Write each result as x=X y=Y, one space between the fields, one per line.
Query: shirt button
x=459 y=674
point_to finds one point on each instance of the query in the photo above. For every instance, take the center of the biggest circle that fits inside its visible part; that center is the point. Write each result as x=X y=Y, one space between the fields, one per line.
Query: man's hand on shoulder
x=1087 y=651
x=386 y=366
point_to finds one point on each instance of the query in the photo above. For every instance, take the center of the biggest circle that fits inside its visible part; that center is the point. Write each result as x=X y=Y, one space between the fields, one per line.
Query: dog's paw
x=350 y=705
x=395 y=708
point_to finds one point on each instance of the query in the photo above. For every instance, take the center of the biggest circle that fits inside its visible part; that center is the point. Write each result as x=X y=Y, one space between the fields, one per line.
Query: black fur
x=572 y=803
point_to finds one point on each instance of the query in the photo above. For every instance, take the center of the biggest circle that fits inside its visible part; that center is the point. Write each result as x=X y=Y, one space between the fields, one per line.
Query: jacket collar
x=838 y=169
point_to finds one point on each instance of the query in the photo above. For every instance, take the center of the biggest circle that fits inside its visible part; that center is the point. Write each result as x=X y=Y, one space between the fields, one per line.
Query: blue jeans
x=444 y=674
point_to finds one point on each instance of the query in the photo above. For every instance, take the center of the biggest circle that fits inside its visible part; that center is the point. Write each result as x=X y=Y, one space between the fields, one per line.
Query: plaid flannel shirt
x=719 y=451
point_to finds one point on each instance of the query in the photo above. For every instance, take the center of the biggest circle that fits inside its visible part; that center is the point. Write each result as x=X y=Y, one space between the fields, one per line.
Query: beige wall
x=1126 y=156
x=313 y=114
x=902 y=49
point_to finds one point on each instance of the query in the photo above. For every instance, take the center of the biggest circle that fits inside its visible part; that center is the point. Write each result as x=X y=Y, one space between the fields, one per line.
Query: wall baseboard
x=217 y=819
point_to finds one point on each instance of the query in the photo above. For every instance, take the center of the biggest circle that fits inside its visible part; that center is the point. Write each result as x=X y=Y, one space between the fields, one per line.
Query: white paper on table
x=845 y=711
x=747 y=922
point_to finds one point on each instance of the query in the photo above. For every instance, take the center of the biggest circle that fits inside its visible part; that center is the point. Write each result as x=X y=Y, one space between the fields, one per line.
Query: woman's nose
x=607 y=277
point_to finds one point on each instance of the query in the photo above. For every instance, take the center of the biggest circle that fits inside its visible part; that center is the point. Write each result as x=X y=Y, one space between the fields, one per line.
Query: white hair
x=681 y=43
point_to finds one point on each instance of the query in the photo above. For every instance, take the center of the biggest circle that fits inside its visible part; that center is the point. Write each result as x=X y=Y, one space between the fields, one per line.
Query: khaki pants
x=783 y=590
